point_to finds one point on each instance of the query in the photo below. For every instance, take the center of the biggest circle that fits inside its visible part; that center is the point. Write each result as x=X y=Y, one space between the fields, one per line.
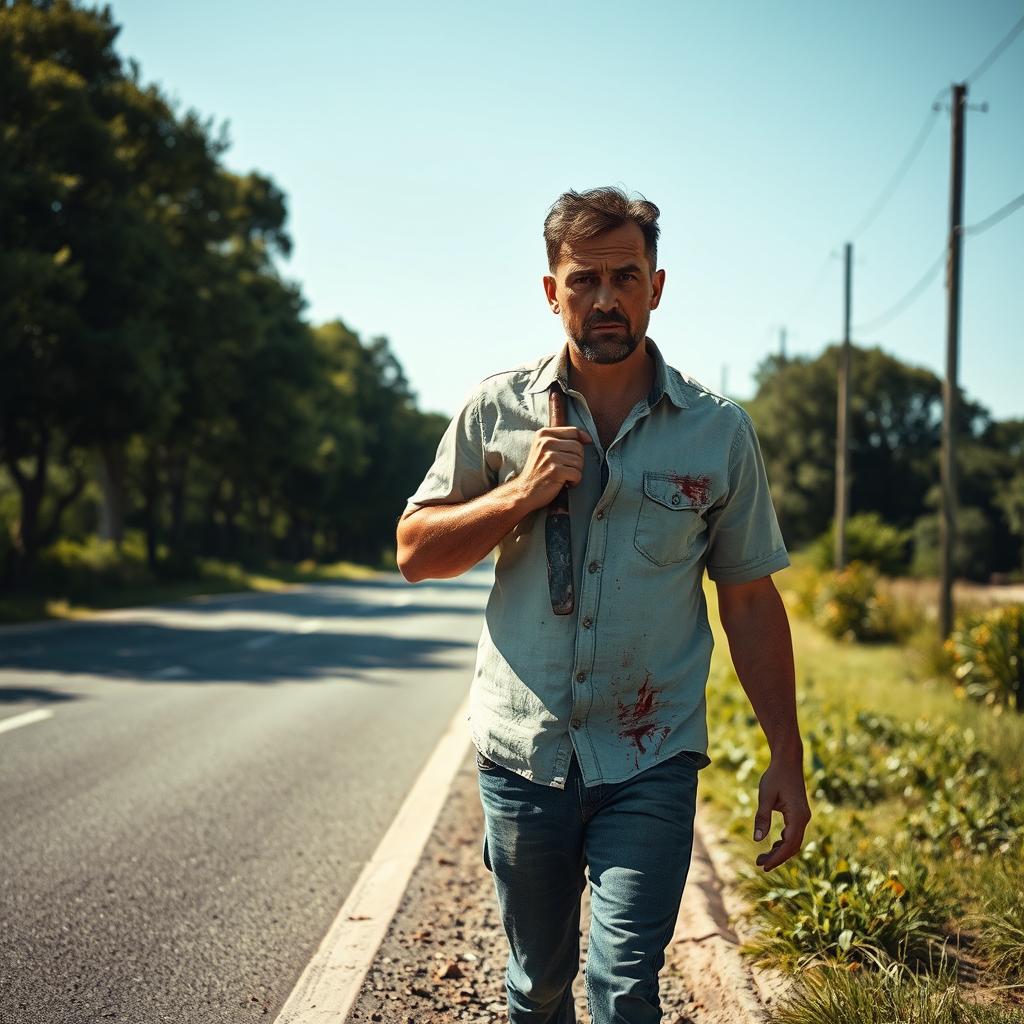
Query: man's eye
x=627 y=276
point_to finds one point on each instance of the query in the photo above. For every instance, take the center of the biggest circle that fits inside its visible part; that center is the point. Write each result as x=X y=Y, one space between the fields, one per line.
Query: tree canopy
x=895 y=437
x=158 y=369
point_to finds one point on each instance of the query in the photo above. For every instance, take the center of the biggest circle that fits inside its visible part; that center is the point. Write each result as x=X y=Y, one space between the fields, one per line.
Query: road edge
x=331 y=981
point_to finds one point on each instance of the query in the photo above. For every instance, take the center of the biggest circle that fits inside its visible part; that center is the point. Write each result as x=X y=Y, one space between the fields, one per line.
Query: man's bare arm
x=441 y=541
x=762 y=651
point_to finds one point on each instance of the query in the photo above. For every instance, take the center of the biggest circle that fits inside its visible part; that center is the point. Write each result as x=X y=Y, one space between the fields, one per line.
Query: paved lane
x=178 y=836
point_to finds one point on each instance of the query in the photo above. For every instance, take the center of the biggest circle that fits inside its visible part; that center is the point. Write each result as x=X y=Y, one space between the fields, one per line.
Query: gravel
x=443 y=957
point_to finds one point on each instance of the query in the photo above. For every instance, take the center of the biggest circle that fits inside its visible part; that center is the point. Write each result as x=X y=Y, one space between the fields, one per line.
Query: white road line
x=26 y=719
x=331 y=981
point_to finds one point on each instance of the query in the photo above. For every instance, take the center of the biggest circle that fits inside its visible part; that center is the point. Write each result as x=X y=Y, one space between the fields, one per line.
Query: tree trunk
x=31 y=490
x=178 y=470
x=110 y=473
x=151 y=496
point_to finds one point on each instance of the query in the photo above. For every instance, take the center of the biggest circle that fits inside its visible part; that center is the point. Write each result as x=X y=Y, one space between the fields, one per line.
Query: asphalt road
x=177 y=837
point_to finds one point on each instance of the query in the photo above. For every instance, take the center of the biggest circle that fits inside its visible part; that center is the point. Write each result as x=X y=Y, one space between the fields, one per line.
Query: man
x=590 y=727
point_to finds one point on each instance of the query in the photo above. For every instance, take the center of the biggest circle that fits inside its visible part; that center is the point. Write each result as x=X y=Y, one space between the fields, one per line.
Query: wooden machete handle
x=557 y=536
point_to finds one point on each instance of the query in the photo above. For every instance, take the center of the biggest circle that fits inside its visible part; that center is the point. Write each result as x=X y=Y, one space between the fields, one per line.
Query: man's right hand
x=555 y=459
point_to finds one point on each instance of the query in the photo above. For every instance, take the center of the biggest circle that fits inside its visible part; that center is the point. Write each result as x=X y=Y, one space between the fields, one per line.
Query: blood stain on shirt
x=639 y=719
x=696 y=488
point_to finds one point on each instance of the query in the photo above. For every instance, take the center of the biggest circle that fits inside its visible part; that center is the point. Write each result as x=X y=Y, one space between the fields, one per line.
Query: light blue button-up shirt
x=621 y=680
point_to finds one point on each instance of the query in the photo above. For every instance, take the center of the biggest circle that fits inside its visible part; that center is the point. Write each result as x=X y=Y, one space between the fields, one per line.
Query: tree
x=895 y=414
x=59 y=193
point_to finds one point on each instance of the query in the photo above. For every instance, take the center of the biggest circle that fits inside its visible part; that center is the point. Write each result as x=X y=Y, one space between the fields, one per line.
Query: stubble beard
x=596 y=348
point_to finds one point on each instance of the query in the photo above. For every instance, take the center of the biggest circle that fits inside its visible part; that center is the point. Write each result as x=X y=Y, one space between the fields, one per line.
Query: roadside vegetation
x=160 y=379
x=907 y=901
x=77 y=578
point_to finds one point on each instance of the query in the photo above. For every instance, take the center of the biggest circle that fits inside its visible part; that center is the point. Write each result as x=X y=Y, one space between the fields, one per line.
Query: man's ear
x=550 y=290
x=657 y=284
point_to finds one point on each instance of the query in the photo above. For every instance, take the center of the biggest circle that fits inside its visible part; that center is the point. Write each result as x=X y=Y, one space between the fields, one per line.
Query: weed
x=824 y=906
x=987 y=655
x=838 y=995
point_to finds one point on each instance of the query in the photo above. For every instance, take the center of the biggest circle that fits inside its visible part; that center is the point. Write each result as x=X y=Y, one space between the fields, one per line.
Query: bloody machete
x=556 y=529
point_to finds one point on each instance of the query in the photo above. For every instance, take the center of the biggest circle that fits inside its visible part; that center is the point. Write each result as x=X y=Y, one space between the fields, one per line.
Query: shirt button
x=675 y=499
x=593 y=567
x=576 y=723
x=588 y=622
x=600 y=513
x=581 y=676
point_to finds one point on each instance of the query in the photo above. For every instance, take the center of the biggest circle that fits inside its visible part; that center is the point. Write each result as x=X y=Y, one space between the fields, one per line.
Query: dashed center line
x=26 y=719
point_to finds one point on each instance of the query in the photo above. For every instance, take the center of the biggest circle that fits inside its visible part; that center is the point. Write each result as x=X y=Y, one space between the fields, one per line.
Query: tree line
x=157 y=369
x=158 y=373
x=895 y=430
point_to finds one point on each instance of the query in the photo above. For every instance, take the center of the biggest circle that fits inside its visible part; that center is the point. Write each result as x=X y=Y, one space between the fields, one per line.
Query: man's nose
x=605 y=300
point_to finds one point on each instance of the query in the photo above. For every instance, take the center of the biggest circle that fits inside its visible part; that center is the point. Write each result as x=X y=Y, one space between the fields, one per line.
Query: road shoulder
x=443 y=956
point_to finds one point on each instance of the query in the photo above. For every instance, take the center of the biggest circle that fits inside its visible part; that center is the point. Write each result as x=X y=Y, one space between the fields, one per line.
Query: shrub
x=869 y=539
x=821 y=907
x=968 y=813
x=82 y=564
x=849 y=606
x=879 y=757
x=972 y=552
x=987 y=654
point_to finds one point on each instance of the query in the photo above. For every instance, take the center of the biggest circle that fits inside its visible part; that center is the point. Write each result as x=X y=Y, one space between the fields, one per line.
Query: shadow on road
x=33 y=695
x=174 y=654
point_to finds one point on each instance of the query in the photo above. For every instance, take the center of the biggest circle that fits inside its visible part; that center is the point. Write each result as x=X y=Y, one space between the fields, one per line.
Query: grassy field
x=77 y=580
x=907 y=903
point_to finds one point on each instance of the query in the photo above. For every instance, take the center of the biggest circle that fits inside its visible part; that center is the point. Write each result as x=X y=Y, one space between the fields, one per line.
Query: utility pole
x=725 y=378
x=782 y=343
x=842 y=426
x=947 y=519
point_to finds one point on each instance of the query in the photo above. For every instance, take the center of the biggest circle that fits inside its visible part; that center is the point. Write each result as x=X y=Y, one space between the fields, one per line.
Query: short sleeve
x=460 y=470
x=744 y=539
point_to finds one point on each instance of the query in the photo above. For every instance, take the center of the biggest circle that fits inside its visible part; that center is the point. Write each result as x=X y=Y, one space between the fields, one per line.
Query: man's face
x=604 y=291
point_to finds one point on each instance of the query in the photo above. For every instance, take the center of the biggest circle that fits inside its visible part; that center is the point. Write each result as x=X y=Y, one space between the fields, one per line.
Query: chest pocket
x=669 y=520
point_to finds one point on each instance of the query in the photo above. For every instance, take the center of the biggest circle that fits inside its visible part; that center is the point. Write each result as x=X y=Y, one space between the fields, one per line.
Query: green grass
x=918 y=803
x=833 y=995
x=76 y=580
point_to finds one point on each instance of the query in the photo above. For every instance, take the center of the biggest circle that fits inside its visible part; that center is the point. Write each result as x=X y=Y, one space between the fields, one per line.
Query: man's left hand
x=782 y=789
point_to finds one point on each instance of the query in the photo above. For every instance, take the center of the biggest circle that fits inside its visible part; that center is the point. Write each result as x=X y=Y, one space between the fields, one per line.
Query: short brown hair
x=578 y=216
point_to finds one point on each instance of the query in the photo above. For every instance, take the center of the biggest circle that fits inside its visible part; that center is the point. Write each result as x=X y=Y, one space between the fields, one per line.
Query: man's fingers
x=567 y=434
x=786 y=846
x=763 y=817
x=762 y=825
x=779 y=854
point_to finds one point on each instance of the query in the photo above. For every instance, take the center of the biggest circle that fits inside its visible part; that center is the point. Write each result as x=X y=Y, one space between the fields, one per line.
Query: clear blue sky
x=420 y=146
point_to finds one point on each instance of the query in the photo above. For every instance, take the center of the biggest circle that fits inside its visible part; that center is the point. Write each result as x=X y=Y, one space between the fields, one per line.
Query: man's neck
x=612 y=385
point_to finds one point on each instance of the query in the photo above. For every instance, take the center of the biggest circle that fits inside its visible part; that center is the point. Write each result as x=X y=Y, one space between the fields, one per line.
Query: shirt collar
x=556 y=368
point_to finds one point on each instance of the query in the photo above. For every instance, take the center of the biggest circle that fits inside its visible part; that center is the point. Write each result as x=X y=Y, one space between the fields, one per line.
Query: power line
x=893 y=183
x=810 y=293
x=879 y=204
x=926 y=279
x=908 y=300
x=995 y=218
x=901 y=171
x=996 y=53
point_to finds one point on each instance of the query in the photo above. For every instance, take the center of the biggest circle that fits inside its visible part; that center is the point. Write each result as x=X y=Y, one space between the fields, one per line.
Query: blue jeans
x=636 y=837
